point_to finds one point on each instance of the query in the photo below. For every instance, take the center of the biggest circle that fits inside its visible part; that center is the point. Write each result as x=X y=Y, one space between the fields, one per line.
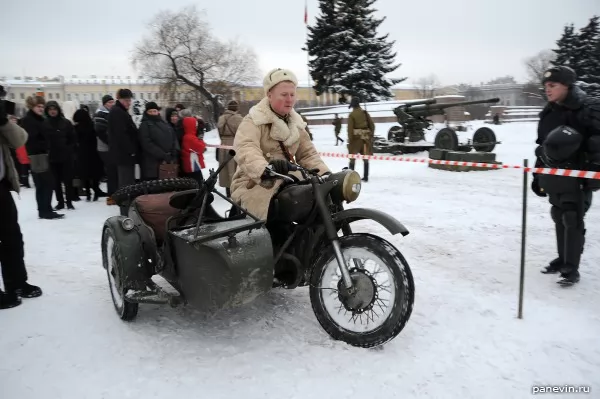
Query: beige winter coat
x=228 y=124
x=256 y=143
x=11 y=136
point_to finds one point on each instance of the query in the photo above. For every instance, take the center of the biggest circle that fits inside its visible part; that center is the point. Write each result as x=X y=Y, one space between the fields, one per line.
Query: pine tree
x=363 y=58
x=322 y=65
x=565 y=53
x=587 y=53
x=348 y=56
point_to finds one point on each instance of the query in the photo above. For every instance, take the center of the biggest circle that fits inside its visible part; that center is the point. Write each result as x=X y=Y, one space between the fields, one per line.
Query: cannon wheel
x=393 y=134
x=484 y=135
x=446 y=139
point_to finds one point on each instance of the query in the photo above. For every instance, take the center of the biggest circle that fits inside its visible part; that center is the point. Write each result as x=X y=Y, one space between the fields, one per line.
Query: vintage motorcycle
x=174 y=248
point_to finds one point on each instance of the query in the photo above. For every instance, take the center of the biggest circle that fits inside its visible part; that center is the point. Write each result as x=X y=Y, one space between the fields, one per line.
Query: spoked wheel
x=383 y=294
x=111 y=258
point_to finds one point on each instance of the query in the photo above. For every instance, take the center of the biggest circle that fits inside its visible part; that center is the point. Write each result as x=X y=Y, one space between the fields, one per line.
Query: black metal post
x=523 y=236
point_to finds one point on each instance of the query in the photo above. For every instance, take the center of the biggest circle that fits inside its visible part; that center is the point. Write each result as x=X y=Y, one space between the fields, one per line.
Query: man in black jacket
x=14 y=272
x=568 y=137
x=123 y=139
x=38 y=147
x=101 y=128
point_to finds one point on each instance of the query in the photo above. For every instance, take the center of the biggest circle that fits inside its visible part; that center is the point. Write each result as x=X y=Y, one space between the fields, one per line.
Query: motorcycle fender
x=387 y=221
x=132 y=259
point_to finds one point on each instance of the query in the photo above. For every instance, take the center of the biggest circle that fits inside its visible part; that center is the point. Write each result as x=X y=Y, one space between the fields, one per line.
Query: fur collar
x=289 y=133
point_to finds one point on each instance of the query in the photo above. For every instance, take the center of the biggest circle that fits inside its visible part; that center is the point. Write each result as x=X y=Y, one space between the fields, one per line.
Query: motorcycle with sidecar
x=174 y=248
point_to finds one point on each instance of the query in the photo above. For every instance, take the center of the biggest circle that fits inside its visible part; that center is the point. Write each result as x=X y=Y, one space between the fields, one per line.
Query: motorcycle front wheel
x=381 y=300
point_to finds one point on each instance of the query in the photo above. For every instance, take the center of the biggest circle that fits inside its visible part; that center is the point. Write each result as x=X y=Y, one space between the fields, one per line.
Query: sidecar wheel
x=384 y=297
x=111 y=256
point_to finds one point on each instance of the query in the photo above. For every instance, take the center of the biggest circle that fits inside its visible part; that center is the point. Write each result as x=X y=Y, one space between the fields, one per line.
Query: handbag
x=168 y=170
x=39 y=163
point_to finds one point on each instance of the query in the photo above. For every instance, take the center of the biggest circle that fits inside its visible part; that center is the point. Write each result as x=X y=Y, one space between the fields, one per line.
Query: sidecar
x=169 y=251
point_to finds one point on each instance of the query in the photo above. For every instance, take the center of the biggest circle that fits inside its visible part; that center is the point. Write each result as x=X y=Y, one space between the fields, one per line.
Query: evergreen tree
x=565 y=53
x=348 y=56
x=364 y=59
x=322 y=65
x=587 y=53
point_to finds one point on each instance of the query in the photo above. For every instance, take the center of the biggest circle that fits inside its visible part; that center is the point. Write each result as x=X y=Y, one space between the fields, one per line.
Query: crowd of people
x=69 y=155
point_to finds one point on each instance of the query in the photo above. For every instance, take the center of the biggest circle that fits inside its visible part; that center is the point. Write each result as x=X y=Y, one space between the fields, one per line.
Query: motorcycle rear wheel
x=339 y=313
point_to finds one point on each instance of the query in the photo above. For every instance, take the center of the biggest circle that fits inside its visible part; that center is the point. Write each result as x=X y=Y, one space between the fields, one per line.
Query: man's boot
x=352 y=162
x=366 y=170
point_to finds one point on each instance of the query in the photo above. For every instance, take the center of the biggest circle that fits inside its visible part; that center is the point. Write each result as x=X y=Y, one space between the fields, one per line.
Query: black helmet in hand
x=561 y=146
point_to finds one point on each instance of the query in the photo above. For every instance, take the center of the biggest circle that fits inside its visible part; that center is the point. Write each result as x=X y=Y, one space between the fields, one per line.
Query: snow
x=462 y=341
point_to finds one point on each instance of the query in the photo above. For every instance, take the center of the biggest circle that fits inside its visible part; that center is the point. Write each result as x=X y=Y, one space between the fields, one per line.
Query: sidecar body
x=153 y=255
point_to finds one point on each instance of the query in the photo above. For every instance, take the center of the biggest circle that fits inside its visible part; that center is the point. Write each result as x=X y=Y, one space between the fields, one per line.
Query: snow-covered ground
x=462 y=341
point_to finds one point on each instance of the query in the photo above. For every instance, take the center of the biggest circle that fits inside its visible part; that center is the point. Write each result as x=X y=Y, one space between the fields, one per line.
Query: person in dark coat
x=12 y=254
x=101 y=129
x=89 y=164
x=62 y=145
x=158 y=141
x=123 y=139
x=568 y=137
x=38 y=147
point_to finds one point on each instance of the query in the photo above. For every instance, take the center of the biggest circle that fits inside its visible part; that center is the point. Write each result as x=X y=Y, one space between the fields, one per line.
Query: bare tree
x=180 y=49
x=537 y=64
x=426 y=86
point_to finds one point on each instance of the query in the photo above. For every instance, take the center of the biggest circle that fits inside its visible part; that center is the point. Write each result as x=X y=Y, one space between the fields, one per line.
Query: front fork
x=331 y=232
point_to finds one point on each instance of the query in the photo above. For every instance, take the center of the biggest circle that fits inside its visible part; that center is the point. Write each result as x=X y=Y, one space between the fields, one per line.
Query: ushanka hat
x=276 y=76
x=560 y=74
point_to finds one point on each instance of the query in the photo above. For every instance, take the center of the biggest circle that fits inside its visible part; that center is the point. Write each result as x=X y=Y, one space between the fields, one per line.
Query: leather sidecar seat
x=155 y=210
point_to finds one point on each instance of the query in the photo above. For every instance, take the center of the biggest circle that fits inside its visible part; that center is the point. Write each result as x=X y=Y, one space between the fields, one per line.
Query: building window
x=68 y=96
x=22 y=96
x=141 y=96
x=12 y=96
x=57 y=96
x=77 y=96
x=156 y=96
x=49 y=96
x=93 y=96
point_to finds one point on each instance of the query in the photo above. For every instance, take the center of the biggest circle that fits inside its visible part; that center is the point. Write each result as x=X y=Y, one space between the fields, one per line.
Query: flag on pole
x=306 y=12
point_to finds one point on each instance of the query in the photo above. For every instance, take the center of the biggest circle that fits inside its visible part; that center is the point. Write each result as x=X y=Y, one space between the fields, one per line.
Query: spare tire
x=487 y=137
x=126 y=194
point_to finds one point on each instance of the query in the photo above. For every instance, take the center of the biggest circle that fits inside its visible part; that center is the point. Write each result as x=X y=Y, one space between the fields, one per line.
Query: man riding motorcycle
x=271 y=134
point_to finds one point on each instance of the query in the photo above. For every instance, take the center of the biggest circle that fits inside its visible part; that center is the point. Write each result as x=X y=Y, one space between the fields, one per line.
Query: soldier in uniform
x=360 y=134
x=569 y=138
x=337 y=123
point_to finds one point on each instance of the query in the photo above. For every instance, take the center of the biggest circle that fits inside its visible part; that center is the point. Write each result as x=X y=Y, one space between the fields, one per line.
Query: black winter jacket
x=122 y=136
x=159 y=144
x=582 y=113
x=61 y=136
x=37 y=142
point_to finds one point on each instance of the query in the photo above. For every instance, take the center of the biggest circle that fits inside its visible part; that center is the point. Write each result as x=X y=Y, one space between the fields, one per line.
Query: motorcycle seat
x=155 y=210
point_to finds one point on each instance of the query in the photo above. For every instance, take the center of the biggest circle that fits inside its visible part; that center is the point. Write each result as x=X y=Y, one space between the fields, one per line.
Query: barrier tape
x=584 y=174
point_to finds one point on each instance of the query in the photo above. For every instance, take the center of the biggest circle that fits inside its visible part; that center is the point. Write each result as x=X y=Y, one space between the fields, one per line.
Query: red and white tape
x=584 y=174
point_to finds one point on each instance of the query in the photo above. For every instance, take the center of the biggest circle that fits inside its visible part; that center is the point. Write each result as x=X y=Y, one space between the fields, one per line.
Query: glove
x=535 y=187
x=280 y=166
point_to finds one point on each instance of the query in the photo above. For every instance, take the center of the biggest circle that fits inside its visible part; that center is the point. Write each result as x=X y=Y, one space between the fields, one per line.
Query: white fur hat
x=276 y=76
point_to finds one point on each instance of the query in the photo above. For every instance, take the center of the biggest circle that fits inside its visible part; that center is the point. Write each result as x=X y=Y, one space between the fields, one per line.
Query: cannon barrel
x=420 y=102
x=436 y=107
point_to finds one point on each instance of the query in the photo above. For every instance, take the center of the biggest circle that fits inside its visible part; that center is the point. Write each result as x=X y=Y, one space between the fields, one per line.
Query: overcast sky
x=460 y=41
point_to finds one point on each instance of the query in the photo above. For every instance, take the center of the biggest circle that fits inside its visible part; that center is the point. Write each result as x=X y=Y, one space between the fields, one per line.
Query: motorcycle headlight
x=351 y=186
x=128 y=224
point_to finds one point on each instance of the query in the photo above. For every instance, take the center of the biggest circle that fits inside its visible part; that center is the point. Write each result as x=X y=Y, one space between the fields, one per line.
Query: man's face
x=52 y=112
x=556 y=92
x=126 y=102
x=109 y=104
x=38 y=109
x=153 y=112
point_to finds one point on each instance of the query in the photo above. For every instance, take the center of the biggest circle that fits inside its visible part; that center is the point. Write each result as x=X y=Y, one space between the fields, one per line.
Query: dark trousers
x=111 y=173
x=63 y=174
x=125 y=177
x=12 y=253
x=568 y=212
x=24 y=175
x=44 y=185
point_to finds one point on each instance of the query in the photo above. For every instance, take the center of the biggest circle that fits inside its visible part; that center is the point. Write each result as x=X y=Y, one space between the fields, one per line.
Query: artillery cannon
x=413 y=118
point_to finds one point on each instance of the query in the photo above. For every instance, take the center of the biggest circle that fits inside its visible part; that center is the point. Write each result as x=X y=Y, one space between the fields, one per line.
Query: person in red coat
x=192 y=150
x=24 y=162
